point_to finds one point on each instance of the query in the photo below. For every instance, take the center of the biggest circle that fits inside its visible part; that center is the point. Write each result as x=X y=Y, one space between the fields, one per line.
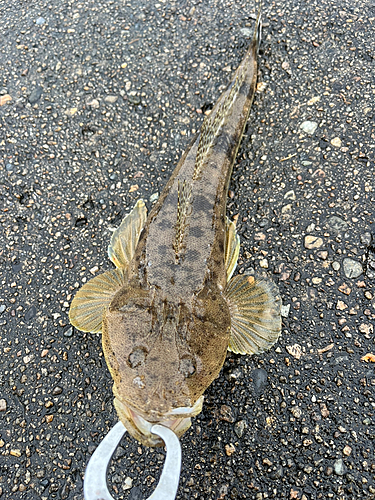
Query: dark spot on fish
x=193 y=254
x=226 y=142
x=221 y=246
x=162 y=249
x=163 y=224
x=196 y=231
x=137 y=357
x=202 y=203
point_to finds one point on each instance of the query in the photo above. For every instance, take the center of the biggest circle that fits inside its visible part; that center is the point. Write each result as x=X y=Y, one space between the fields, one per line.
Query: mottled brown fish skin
x=166 y=332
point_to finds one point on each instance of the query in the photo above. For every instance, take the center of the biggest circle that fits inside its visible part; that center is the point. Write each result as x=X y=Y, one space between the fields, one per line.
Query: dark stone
x=30 y=313
x=80 y=221
x=278 y=473
x=64 y=492
x=134 y=99
x=44 y=483
x=35 y=95
x=234 y=493
x=259 y=377
x=226 y=414
x=17 y=267
x=135 y=494
x=119 y=453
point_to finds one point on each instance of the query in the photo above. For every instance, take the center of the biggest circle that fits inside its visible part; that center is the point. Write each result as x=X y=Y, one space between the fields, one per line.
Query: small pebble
x=246 y=32
x=347 y=450
x=352 y=268
x=329 y=471
x=229 y=449
x=339 y=467
x=68 y=332
x=337 y=224
x=226 y=414
x=285 y=311
x=294 y=350
x=239 y=428
x=345 y=289
x=133 y=98
x=2 y=308
x=290 y=195
x=111 y=99
x=3 y=405
x=40 y=21
x=366 y=238
x=4 y=99
x=235 y=374
x=336 y=141
x=93 y=103
x=312 y=242
x=128 y=483
x=340 y=306
x=309 y=127
x=278 y=473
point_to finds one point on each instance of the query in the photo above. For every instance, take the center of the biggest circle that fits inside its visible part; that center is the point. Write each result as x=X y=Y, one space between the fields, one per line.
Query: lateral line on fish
x=212 y=125
x=184 y=199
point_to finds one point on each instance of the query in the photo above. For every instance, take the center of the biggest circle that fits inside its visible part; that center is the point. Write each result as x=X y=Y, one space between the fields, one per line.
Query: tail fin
x=258 y=29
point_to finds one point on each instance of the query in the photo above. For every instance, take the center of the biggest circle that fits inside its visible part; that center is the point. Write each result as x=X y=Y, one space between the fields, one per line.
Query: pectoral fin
x=232 y=247
x=255 y=304
x=87 y=308
x=125 y=238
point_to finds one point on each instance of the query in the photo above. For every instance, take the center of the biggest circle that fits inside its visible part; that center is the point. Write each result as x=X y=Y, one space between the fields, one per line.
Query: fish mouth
x=178 y=420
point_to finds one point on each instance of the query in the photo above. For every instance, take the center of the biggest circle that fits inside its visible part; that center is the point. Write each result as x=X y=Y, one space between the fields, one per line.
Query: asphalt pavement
x=98 y=100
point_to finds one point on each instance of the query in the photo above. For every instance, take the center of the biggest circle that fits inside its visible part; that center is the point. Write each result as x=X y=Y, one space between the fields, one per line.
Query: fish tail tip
x=258 y=28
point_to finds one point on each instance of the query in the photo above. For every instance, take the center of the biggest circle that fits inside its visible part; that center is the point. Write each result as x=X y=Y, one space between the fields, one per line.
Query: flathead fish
x=171 y=309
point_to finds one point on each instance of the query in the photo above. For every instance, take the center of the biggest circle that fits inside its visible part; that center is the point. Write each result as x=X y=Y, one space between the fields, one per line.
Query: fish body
x=170 y=310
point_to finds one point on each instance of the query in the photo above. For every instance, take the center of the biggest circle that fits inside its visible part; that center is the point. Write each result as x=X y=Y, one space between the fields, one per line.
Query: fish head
x=162 y=357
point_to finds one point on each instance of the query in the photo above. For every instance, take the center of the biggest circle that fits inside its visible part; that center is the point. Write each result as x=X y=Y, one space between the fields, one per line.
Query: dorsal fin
x=183 y=212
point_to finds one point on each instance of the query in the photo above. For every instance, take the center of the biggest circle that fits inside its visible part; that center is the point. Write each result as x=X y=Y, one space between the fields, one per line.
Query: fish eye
x=187 y=366
x=137 y=357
